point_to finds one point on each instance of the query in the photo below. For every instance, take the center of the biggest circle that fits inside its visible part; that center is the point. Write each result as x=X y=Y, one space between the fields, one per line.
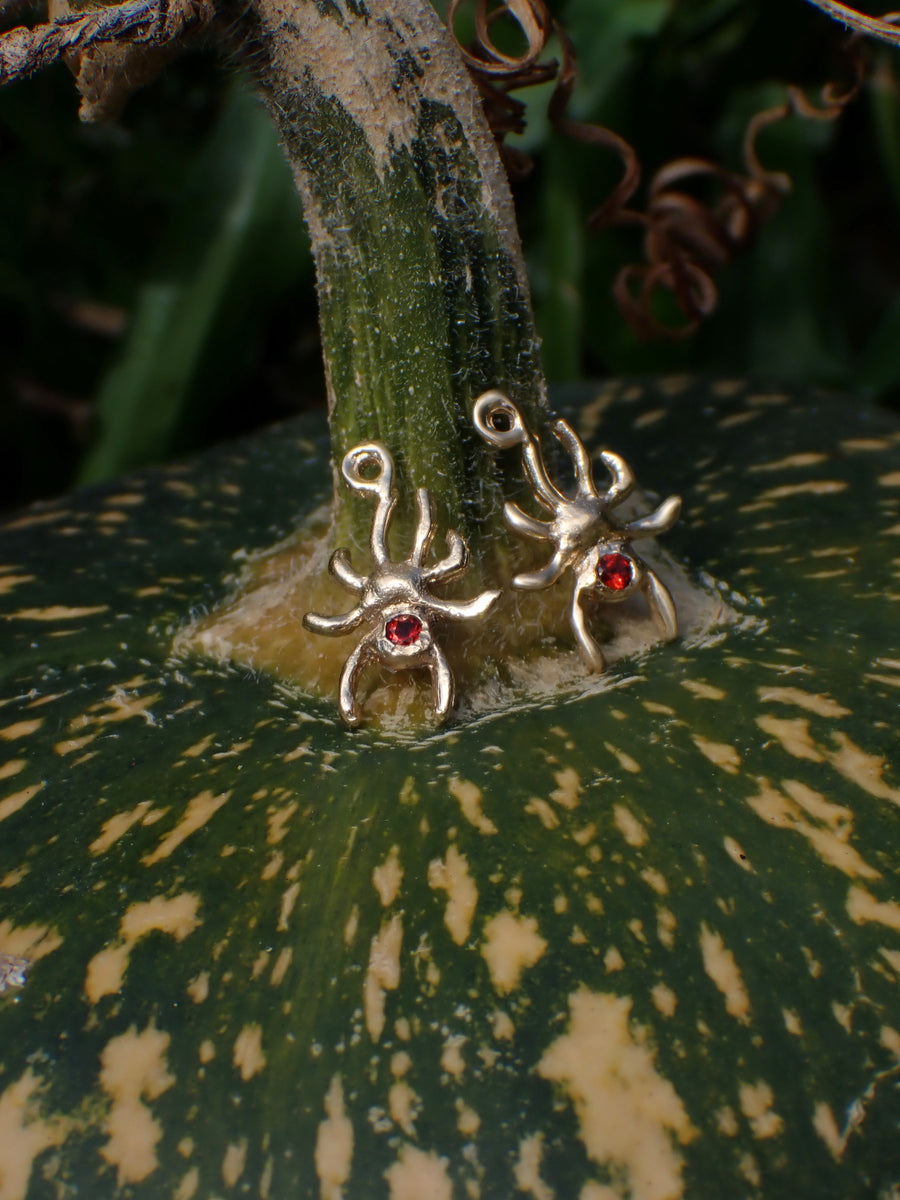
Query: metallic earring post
x=586 y=538
x=395 y=598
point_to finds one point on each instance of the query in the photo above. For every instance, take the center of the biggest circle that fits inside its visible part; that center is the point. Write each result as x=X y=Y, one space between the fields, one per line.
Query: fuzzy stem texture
x=423 y=298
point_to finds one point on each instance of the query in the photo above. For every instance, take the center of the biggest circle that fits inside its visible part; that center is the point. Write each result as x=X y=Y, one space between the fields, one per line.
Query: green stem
x=423 y=298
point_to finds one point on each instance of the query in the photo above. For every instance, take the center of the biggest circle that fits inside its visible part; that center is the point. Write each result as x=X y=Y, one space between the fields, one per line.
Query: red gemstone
x=615 y=571
x=403 y=630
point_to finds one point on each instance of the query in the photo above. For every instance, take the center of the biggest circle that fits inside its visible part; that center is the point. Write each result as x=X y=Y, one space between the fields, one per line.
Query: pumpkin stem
x=424 y=303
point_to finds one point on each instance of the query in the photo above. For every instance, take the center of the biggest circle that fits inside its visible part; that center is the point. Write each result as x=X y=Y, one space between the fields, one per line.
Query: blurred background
x=156 y=285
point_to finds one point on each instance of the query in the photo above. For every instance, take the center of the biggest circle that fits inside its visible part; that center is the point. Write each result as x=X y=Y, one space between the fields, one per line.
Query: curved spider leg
x=661 y=519
x=358 y=460
x=546 y=577
x=622 y=478
x=590 y=647
x=546 y=491
x=522 y=523
x=333 y=626
x=661 y=604
x=442 y=689
x=353 y=669
x=339 y=566
x=465 y=610
x=581 y=461
x=453 y=564
x=425 y=527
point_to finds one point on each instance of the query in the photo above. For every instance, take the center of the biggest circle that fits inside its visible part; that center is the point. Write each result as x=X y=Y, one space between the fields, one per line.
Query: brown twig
x=137 y=22
x=884 y=27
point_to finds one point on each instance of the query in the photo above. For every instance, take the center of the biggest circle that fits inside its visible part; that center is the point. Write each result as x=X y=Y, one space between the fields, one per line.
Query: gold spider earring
x=396 y=598
x=587 y=539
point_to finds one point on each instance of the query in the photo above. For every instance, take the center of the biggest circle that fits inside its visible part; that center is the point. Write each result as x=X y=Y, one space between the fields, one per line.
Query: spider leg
x=333 y=626
x=425 y=527
x=581 y=461
x=339 y=566
x=548 y=494
x=454 y=564
x=661 y=604
x=661 y=519
x=380 y=522
x=623 y=480
x=590 y=648
x=353 y=669
x=522 y=523
x=465 y=610
x=441 y=682
x=544 y=578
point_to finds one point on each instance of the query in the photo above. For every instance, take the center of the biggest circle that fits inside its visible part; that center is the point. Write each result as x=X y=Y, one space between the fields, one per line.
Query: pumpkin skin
x=639 y=942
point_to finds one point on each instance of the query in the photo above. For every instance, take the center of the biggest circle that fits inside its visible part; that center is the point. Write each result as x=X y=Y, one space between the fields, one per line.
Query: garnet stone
x=615 y=571
x=403 y=630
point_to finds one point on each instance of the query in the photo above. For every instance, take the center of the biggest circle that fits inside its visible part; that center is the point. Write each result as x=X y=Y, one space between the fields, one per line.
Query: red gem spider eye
x=403 y=630
x=615 y=571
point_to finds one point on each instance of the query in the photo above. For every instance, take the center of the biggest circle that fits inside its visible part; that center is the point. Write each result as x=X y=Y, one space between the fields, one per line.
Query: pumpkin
x=638 y=937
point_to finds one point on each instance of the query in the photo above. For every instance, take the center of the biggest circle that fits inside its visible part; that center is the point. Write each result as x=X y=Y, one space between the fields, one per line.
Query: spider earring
x=586 y=538
x=395 y=599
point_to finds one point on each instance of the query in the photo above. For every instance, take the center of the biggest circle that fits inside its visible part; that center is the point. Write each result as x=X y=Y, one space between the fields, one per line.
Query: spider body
x=586 y=537
x=395 y=598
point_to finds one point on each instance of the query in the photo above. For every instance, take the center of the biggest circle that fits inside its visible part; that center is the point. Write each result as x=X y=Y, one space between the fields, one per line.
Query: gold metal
x=582 y=529
x=397 y=591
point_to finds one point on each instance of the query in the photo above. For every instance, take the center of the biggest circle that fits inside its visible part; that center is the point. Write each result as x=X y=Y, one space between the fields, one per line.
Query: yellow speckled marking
x=890 y=479
x=288 y=900
x=720 y=753
x=527 y=1169
x=452 y=876
x=828 y=831
x=133 y=1068
x=117 y=826
x=824 y=706
x=334 y=1144
x=803 y=459
x=664 y=999
x=24 y=1134
x=12 y=804
x=625 y=761
x=630 y=827
x=567 y=793
x=248 y=1054
x=234 y=1162
x=199 y=810
x=21 y=729
x=629 y=1116
x=57 y=612
x=404 y=1105
x=719 y=964
x=735 y=852
x=8 y=582
x=387 y=877
x=12 y=767
x=187 y=1187
x=756 y=1100
x=452 y=1060
x=469 y=797
x=198 y=748
x=31 y=942
x=280 y=968
x=863 y=907
x=383 y=973
x=826 y=1127
x=417 y=1174
x=542 y=810
x=511 y=945
x=703 y=691
x=176 y=916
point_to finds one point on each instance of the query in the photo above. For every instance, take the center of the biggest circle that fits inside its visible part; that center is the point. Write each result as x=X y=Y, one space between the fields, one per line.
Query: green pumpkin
x=640 y=939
